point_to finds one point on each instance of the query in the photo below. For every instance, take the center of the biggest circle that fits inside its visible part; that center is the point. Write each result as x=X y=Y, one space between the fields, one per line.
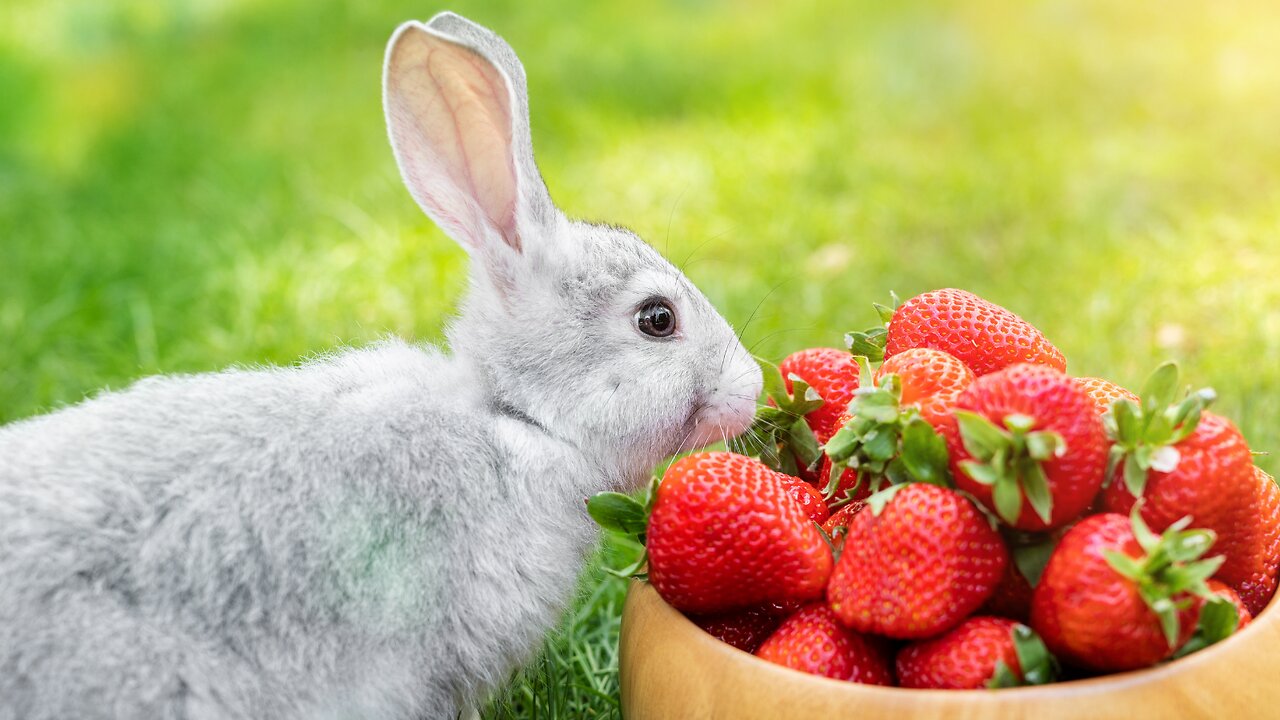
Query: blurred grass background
x=190 y=184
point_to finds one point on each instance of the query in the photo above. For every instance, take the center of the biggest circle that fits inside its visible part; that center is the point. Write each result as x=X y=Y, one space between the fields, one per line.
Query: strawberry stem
x=1009 y=461
x=884 y=440
x=1144 y=435
x=1170 y=571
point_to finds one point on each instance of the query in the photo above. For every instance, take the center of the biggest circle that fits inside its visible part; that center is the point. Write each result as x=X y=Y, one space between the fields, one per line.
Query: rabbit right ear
x=458 y=117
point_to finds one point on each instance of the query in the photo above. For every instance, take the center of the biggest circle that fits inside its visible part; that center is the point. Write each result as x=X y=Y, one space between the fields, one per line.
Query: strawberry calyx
x=1144 y=435
x=885 y=441
x=1219 y=619
x=1009 y=461
x=870 y=343
x=781 y=426
x=1038 y=665
x=1171 y=574
x=1030 y=552
x=626 y=515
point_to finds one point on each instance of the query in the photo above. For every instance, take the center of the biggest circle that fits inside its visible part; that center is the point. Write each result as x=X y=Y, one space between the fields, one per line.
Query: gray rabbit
x=385 y=532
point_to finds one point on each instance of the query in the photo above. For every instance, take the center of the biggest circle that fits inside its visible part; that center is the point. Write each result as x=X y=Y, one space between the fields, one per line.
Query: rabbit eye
x=656 y=319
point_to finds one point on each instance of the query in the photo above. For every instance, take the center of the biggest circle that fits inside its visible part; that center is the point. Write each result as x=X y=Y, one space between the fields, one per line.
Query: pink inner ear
x=452 y=125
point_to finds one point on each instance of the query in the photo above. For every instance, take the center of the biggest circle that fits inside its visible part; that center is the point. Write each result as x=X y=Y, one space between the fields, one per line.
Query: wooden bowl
x=670 y=669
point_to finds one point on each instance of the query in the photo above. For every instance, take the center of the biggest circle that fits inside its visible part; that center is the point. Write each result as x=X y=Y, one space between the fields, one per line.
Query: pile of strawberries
x=966 y=515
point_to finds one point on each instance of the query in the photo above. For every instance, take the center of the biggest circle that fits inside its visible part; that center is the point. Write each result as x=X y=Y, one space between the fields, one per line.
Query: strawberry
x=983 y=335
x=1012 y=596
x=725 y=534
x=1257 y=589
x=1030 y=446
x=833 y=374
x=746 y=629
x=931 y=380
x=849 y=488
x=1103 y=393
x=813 y=641
x=890 y=431
x=783 y=433
x=979 y=652
x=1216 y=617
x=915 y=563
x=837 y=526
x=1222 y=590
x=1185 y=461
x=806 y=496
x=1115 y=596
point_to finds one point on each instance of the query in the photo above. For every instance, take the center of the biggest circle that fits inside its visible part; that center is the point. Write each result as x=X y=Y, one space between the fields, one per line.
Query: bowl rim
x=1165 y=672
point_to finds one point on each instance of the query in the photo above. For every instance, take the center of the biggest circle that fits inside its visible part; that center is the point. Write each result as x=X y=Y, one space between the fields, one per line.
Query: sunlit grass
x=188 y=185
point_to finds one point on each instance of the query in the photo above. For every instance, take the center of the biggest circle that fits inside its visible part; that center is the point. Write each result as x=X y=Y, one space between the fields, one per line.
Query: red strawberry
x=1012 y=597
x=849 y=487
x=785 y=433
x=1184 y=461
x=931 y=380
x=833 y=374
x=812 y=641
x=724 y=534
x=979 y=652
x=1103 y=392
x=983 y=335
x=918 y=567
x=1215 y=617
x=1031 y=446
x=746 y=629
x=809 y=499
x=837 y=526
x=1256 y=591
x=1218 y=588
x=1114 y=596
x=891 y=431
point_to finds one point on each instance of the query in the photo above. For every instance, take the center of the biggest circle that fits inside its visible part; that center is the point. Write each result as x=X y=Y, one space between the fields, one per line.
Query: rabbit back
x=332 y=534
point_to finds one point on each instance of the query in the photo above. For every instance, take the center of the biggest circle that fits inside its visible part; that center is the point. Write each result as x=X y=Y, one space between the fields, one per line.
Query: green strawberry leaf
x=803 y=443
x=1127 y=566
x=619 y=513
x=886 y=311
x=1127 y=417
x=1003 y=677
x=1135 y=476
x=980 y=436
x=878 y=500
x=1007 y=498
x=1160 y=388
x=867 y=343
x=835 y=549
x=880 y=445
x=1219 y=620
x=924 y=453
x=1145 y=434
x=1032 y=557
x=1036 y=488
x=1039 y=666
x=632 y=570
x=983 y=474
x=1171 y=572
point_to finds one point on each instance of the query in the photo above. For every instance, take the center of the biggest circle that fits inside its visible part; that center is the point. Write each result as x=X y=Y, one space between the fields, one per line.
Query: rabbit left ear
x=458 y=117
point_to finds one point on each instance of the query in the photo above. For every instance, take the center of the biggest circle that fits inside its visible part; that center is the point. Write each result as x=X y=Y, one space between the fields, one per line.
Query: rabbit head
x=582 y=329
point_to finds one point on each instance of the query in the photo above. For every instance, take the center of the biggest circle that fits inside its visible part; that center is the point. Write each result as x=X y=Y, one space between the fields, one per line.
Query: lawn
x=190 y=184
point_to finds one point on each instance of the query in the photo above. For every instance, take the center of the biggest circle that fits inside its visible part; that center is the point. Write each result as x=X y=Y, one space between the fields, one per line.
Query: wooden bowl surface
x=671 y=669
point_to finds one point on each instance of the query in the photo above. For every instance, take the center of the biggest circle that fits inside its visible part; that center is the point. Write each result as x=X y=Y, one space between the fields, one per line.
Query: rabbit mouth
x=709 y=423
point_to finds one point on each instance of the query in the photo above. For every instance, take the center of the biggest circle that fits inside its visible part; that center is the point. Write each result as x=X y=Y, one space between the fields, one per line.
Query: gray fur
x=383 y=533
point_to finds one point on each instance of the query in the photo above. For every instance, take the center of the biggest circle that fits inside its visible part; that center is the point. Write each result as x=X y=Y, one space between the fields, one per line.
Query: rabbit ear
x=458 y=117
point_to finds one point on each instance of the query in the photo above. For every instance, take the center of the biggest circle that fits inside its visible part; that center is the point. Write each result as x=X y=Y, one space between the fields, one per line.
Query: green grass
x=188 y=185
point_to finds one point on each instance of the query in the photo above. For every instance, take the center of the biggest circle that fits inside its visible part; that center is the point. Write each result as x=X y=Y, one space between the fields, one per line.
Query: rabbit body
x=299 y=541
x=386 y=532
